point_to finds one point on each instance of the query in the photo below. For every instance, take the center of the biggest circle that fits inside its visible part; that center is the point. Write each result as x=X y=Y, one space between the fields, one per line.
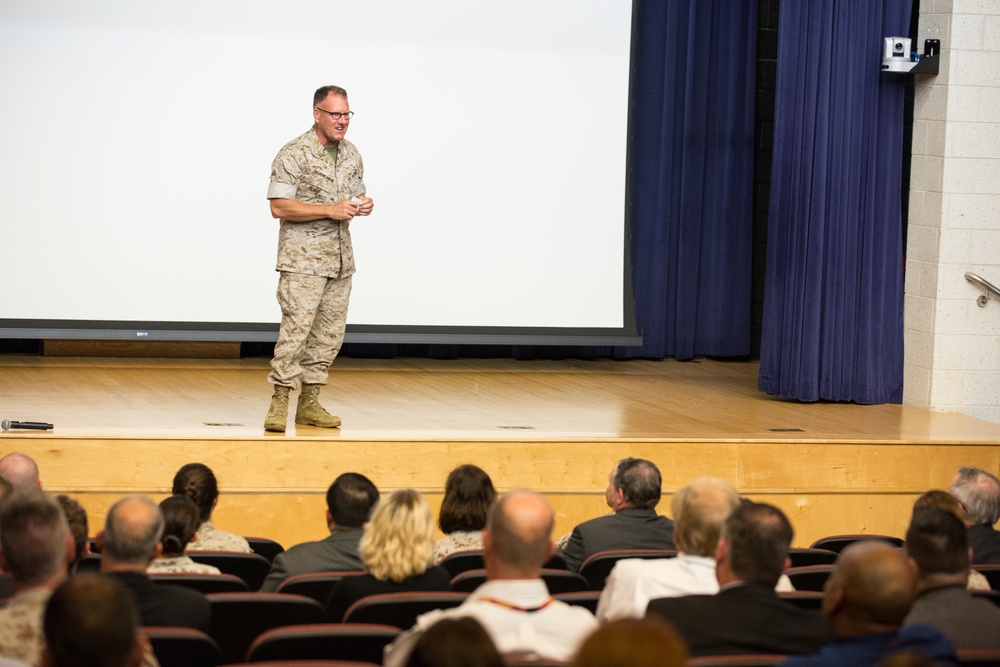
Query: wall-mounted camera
x=897 y=56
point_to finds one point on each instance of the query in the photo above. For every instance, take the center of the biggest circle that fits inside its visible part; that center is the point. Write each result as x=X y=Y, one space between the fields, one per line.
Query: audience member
x=979 y=493
x=633 y=642
x=634 y=489
x=197 y=482
x=395 y=549
x=349 y=502
x=79 y=528
x=129 y=542
x=945 y=501
x=514 y=605
x=21 y=471
x=468 y=496
x=699 y=509
x=91 y=621
x=866 y=599
x=35 y=548
x=6 y=488
x=455 y=642
x=746 y=615
x=180 y=526
x=936 y=541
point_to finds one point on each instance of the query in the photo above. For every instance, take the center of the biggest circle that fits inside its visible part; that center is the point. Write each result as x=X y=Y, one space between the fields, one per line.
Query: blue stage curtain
x=833 y=303
x=692 y=177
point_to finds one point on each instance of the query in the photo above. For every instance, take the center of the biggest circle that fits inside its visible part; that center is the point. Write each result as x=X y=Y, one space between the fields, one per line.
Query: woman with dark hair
x=180 y=525
x=197 y=482
x=468 y=496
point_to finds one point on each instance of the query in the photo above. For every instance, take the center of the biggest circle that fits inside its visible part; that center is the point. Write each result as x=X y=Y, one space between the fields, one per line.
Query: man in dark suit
x=128 y=544
x=634 y=489
x=979 y=493
x=349 y=501
x=746 y=615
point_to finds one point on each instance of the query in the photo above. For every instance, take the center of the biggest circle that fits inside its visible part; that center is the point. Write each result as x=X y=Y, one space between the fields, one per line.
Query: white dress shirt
x=633 y=582
x=521 y=618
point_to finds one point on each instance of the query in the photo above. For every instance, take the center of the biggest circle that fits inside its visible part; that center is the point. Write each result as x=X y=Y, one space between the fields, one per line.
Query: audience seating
x=458 y=562
x=839 y=542
x=238 y=618
x=586 y=599
x=810 y=577
x=316 y=585
x=362 y=642
x=558 y=581
x=736 y=660
x=399 y=609
x=251 y=568
x=804 y=599
x=182 y=647
x=205 y=583
x=6 y=586
x=981 y=657
x=802 y=556
x=90 y=563
x=265 y=547
x=596 y=568
x=992 y=596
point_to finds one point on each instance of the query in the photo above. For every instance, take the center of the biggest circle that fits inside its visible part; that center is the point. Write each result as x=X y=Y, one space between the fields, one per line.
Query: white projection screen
x=137 y=139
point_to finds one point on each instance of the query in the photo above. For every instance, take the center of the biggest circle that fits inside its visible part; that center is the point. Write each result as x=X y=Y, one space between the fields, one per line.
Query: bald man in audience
x=92 y=620
x=746 y=615
x=699 y=510
x=979 y=493
x=936 y=541
x=514 y=605
x=129 y=542
x=21 y=471
x=35 y=548
x=866 y=599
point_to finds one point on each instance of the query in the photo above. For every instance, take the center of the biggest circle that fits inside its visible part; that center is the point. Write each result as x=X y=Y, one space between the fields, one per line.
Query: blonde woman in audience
x=468 y=496
x=396 y=551
x=197 y=482
x=180 y=525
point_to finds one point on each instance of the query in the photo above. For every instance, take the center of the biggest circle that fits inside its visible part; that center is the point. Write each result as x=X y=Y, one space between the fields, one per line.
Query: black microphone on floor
x=33 y=426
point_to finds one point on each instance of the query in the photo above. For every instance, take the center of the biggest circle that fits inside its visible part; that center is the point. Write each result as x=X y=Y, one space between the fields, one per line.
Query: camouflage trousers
x=313 y=318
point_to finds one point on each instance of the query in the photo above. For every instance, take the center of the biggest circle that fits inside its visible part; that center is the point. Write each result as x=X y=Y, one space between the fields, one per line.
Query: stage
x=125 y=425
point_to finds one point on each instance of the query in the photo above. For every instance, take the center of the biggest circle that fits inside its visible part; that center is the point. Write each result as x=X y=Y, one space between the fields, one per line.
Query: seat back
x=182 y=647
x=316 y=585
x=462 y=561
x=205 y=583
x=992 y=573
x=809 y=577
x=803 y=556
x=265 y=547
x=400 y=609
x=238 y=618
x=737 y=661
x=981 y=657
x=585 y=599
x=557 y=581
x=803 y=599
x=839 y=542
x=362 y=642
x=251 y=568
x=596 y=568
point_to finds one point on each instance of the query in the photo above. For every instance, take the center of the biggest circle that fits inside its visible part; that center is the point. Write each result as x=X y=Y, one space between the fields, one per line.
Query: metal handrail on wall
x=986 y=285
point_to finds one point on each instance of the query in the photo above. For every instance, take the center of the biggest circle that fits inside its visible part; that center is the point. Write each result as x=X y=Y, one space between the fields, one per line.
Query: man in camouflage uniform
x=316 y=189
x=35 y=548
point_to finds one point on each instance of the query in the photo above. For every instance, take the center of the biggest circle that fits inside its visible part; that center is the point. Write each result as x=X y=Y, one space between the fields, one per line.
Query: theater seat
x=596 y=568
x=839 y=542
x=316 y=585
x=182 y=647
x=361 y=642
x=399 y=609
x=239 y=618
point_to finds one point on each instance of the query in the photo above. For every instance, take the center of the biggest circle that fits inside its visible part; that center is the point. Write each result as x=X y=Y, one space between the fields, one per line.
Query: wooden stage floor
x=125 y=425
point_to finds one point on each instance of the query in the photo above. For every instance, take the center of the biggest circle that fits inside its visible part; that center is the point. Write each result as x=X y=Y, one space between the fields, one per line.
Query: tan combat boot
x=310 y=412
x=278 y=412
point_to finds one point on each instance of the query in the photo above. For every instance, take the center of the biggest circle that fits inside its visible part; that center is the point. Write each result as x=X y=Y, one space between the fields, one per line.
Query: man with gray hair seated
x=129 y=542
x=979 y=493
x=634 y=490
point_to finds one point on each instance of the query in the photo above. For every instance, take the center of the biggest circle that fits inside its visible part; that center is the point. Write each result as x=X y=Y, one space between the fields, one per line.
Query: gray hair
x=979 y=493
x=132 y=529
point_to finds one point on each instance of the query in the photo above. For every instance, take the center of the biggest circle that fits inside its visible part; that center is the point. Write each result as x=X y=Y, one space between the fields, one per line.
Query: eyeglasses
x=337 y=115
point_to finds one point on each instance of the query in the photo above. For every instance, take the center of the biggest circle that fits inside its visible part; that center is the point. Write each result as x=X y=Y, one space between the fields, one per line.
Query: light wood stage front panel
x=126 y=425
